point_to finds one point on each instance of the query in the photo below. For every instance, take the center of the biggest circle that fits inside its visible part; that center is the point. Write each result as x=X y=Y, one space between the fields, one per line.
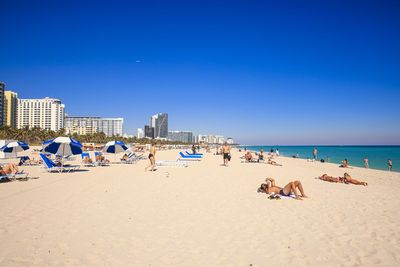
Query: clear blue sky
x=263 y=72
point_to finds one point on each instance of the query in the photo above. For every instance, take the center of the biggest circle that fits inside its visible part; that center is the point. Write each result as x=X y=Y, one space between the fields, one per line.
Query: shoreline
x=353 y=166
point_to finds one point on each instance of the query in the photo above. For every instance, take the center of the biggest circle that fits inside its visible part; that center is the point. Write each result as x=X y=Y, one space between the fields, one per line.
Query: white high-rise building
x=160 y=124
x=46 y=113
x=140 y=133
x=90 y=125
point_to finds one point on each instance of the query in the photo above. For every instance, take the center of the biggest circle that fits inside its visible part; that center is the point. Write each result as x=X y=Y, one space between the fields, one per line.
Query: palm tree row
x=35 y=136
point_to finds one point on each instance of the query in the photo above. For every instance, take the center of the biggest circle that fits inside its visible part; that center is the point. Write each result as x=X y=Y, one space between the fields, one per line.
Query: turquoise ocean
x=377 y=155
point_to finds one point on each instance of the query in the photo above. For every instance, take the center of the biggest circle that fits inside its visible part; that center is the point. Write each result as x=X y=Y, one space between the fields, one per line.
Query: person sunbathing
x=331 y=179
x=271 y=188
x=87 y=160
x=101 y=158
x=273 y=162
x=248 y=157
x=349 y=180
x=9 y=168
x=346 y=179
x=124 y=157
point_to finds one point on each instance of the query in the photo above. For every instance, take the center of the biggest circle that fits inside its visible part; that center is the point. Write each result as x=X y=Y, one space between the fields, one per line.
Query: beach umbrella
x=62 y=146
x=115 y=147
x=14 y=147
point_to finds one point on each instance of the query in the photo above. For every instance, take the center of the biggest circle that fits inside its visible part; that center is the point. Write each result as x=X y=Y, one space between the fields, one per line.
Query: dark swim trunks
x=151 y=156
x=226 y=155
x=283 y=194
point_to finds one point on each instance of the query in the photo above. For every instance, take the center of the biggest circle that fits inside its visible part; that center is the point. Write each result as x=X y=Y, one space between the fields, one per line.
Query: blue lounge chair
x=193 y=154
x=50 y=166
x=186 y=157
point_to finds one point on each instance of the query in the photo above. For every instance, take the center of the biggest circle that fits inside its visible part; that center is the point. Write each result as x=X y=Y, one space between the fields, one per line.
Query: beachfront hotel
x=2 y=88
x=209 y=139
x=180 y=136
x=46 y=113
x=89 y=125
x=10 y=108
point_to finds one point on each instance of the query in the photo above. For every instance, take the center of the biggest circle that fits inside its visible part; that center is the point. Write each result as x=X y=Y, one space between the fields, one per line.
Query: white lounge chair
x=171 y=163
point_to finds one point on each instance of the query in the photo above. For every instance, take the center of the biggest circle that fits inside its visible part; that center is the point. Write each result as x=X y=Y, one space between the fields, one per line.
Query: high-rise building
x=210 y=139
x=140 y=133
x=148 y=132
x=2 y=115
x=180 y=136
x=160 y=124
x=46 y=113
x=10 y=108
x=89 y=125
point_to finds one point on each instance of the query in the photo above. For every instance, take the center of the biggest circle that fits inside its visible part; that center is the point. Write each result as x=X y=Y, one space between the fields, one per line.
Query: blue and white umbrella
x=62 y=146
x=14 y=147
x=115 y=147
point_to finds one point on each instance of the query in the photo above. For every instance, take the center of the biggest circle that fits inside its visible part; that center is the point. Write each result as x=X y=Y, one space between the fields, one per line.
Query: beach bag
x=229 y=157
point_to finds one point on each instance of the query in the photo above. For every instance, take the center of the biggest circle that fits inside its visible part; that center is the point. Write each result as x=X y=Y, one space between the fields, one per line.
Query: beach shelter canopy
x=62 y=146
x=115 y=147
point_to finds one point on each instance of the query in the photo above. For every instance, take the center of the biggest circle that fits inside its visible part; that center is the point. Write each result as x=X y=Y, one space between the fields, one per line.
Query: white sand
x=203 y=215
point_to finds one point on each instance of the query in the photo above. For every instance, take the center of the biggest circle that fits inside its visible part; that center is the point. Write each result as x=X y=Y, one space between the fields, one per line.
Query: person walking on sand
x=226 y=153
x=366 y=163
x=315 y=153
x=390 y=164
x=152 y=157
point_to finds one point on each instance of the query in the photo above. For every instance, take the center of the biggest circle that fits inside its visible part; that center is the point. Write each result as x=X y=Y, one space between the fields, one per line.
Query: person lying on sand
x=271 y=188
x=346 y=179
x=9 y=168
x=273 y=162
x=248 y=156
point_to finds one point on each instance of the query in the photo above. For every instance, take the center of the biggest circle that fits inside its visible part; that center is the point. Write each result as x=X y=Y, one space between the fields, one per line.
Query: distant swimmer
x=315 y=153
x=366 y=163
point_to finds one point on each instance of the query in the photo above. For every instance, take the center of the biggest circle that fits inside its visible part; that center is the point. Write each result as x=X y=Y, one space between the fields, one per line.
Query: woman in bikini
x=9 y=168
x=271 y=188
x=346 y=179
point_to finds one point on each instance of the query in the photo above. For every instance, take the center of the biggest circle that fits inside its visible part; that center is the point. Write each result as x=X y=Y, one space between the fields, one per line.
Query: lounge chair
x=50 y=166
x=186 y=157
x=15 y=176
x=132 y=158
x=171 y=163
x=87 y=164
x=100 y=163
x=193 y=154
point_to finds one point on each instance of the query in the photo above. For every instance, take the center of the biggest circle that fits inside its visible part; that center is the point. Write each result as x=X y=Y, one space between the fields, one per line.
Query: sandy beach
x=202 y=215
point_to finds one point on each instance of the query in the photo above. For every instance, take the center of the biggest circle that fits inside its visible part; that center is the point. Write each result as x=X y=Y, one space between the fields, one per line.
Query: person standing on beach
x=366 y=164
x=315 y=152
x=277 y=152
x=390 y=164
x=226 y=152
x=152 y=157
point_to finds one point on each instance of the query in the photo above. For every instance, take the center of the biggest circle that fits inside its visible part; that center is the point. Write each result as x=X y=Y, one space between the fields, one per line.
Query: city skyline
x=261 y=72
